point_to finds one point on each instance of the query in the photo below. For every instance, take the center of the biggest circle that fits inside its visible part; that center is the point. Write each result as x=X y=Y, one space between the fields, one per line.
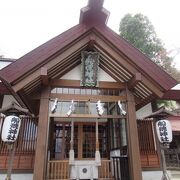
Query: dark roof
x=39 y=55
x=7 y=59
x=172 y=95
x=161 y=113
x=92 y=25
x=3 y=89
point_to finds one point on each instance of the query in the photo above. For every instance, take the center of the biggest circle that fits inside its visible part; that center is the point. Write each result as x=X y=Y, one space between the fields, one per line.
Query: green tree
x=139 y=31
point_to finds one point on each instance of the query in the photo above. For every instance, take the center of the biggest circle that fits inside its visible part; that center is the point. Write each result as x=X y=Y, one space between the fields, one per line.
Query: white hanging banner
x=71 y=108
x=54 y=106
x=10 y=128
x=122 y=111
x=99 y=107
x=164 y=131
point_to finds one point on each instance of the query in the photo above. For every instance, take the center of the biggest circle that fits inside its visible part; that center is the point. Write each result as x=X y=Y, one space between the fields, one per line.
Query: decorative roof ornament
x=14 y=108
x=94 y=12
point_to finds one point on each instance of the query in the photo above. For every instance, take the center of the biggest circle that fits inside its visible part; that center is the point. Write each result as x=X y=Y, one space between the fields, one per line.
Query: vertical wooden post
x=97 y=153
x=72 y=135
x=80 y=141
x=42 y=136
x=71 y=152
x=12 y=149
x=97 y=136
x=133 y=142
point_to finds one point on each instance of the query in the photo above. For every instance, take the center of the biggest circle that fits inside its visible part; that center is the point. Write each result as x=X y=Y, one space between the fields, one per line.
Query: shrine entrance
x=84 y=140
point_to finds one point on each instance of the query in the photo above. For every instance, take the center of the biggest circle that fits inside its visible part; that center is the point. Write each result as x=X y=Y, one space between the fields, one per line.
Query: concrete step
x=174 y=174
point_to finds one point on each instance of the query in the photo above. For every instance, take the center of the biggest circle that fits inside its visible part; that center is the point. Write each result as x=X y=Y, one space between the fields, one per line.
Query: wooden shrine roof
x=118 y=58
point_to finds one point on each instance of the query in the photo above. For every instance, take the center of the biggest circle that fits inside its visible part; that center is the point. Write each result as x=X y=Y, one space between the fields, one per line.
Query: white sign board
x=10 y=128
x=164 y=131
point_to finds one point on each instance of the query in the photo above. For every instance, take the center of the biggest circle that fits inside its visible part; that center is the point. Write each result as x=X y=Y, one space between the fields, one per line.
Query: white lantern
x=164 y=131
x=10 y=128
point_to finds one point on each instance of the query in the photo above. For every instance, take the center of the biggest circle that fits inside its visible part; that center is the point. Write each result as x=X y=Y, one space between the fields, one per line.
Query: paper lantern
x=164 y=131
x=10 y=128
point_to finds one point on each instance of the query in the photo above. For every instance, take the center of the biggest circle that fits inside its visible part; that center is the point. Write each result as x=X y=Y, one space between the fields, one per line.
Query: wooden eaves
x=118 y=58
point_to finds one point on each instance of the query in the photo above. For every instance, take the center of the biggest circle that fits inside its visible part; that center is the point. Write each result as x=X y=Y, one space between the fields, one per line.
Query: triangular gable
x=118 y=58
x=44 y=54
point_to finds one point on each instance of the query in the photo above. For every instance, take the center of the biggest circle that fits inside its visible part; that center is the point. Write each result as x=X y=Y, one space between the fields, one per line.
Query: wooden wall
x=25 y=149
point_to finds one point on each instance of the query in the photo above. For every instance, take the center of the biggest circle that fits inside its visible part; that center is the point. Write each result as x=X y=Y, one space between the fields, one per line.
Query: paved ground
x=174 y=175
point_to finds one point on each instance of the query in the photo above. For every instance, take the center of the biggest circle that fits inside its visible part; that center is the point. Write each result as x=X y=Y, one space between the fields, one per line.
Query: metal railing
x=120 y=168
x=172 y=158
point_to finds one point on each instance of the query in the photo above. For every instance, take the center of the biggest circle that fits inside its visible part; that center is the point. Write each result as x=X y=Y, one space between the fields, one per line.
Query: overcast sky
x=26 y=24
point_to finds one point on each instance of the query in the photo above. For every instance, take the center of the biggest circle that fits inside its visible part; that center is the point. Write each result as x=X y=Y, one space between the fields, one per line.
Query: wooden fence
x=172 y=158
x=58 y=170
x=147 y=145
x=25 y=145
x=120 y=168
x=105 y=170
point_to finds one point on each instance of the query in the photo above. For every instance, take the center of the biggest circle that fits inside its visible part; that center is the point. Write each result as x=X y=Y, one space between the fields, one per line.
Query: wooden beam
x=92 y=98
x=28 y=102
x=76 y=84
x=42 y=137
x=146 y=101
x=112 y=72
x=172 y=95
x=134 y=80
x=44 y=76
x=111 y=53
x=1 y=100
x=108 y=51
x=66 y=68
x=133 y=142
x=152 y=87
x=86 y=116
x=113 y=67
x=35 y=73
x=14 y=94
x=4 y=90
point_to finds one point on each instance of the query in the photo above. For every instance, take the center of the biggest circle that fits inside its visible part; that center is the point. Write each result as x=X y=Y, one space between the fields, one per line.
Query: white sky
x=26 y=24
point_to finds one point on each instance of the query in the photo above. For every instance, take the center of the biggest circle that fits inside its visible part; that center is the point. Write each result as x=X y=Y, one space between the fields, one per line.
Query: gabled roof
x=2 y=59
x=41 y=54
x=161 y=113
x=118 y=58
x=172 y=95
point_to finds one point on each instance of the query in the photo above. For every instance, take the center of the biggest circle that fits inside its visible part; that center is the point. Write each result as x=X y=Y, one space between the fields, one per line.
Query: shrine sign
x=89 y=68
x=164 y=131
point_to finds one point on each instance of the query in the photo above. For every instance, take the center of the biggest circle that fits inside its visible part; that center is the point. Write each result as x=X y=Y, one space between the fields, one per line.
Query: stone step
x=174 y=175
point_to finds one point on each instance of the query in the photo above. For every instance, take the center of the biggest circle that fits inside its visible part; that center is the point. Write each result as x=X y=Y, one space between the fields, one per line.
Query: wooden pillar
x=72 y=135
x=97 y=136
x=42 y=136
x=97 y=153
x=133 y=142
x=71 y=152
